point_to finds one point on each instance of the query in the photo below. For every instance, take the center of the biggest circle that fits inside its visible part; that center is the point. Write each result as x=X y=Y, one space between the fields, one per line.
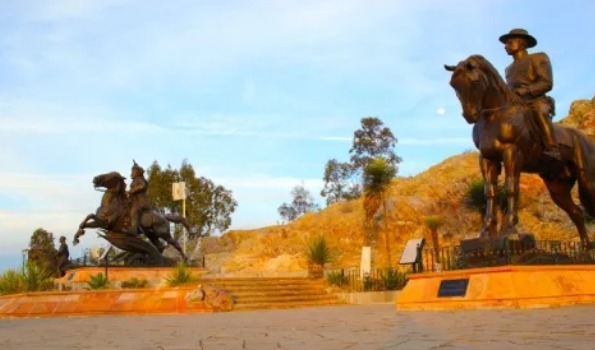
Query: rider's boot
x=552 y=151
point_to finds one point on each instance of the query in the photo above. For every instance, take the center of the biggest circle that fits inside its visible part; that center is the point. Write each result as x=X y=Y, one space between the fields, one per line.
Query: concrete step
x=278 y=293
x=284 y=299
x=286 y=305
x=266 y=288
x=264 y=282
x=266 y=293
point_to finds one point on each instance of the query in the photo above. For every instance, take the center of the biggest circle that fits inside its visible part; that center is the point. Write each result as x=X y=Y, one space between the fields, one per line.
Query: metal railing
x=501 y=252
x=354 y=280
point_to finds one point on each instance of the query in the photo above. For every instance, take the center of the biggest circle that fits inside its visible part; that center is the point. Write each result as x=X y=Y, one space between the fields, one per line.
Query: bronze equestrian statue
x=507 y=134
x=113 y=216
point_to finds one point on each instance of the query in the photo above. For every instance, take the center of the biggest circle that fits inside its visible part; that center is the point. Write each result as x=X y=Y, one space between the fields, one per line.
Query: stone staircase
x=275 y=293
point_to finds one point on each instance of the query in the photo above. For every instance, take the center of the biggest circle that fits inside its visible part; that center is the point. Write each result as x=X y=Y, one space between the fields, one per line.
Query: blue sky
x=257 y=95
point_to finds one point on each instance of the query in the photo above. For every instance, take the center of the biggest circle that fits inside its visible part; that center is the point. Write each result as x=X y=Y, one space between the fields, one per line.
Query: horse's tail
x=585 y=163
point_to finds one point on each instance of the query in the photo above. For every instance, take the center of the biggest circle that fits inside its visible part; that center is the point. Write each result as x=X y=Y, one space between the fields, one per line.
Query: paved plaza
x=328 y=328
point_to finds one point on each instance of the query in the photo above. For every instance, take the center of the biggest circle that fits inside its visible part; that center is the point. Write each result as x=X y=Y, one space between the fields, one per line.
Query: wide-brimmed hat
x=519 y=33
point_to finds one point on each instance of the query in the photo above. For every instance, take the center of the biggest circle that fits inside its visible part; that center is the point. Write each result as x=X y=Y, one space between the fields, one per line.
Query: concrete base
x=363 y=298
x=77 y=279
x=503 y=287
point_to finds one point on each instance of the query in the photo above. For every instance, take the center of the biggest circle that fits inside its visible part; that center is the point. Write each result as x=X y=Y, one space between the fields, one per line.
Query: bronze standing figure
x=62 y=256
x=507 y=135
x=530 y=77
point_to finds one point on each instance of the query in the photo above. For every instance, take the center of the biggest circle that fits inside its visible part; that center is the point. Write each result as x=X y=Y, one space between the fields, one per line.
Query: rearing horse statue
x=505 y=134
x=112 y=216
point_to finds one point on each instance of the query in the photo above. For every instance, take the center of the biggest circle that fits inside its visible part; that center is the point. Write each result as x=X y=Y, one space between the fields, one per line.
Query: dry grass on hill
x=440 y=190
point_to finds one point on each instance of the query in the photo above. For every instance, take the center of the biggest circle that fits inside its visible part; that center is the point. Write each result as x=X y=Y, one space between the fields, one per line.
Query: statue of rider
x=139 y=201
x=530 y=77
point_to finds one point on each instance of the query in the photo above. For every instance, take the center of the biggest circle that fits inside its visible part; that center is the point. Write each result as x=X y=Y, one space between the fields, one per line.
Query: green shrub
x=336 y=278
x=38 y=278
x=32 y=278
x=393 y=279
x=135 y=283
x=477 y=199
x=12 y=282
x=180 y=276
x=372 y=284
x=98 y=281
x=318 y=252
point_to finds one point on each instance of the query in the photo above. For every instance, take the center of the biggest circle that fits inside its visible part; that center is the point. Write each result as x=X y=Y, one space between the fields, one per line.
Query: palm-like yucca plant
x=433 y=222
x=318 y=254
x=377 y=177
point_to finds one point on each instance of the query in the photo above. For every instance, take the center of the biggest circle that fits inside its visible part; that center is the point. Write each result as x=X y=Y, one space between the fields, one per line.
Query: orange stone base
x=123 y=301
x=503 y=287
x=122 y=273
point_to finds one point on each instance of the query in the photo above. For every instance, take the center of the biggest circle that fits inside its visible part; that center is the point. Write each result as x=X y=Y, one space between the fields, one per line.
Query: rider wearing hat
x=139 y=201
x=530 y=77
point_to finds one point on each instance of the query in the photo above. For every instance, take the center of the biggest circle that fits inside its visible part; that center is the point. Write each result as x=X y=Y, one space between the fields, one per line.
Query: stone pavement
x=328 y=328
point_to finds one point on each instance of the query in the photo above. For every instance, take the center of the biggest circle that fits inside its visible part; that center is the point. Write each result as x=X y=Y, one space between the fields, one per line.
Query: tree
x=302 y=203
x=378 y=175
x=208 y=206
x=41 y=248
x=373 y=140
x=337 y=184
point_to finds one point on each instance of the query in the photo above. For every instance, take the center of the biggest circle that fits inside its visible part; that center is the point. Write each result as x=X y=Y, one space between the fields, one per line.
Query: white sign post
x=366 y=262
x=178 y=190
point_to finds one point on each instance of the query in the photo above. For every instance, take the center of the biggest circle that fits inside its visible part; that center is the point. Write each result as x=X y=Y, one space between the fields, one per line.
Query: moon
x=441 y=111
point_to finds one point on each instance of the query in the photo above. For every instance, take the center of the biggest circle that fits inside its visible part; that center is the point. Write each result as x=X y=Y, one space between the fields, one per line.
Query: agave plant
x=318 y=253
x=180 y=276
x=98 y=281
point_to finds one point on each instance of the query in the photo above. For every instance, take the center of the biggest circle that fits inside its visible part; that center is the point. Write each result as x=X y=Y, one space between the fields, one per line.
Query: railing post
x=420 y=264
x=507 y=251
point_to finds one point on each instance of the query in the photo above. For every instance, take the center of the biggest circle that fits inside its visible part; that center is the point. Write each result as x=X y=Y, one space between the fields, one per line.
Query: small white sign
x=178 y=190
x=105 y=253
x=409 y=255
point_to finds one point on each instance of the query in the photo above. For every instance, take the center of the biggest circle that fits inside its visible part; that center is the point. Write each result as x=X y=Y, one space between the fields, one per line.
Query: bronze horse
x=505 y=133
x=112 y=216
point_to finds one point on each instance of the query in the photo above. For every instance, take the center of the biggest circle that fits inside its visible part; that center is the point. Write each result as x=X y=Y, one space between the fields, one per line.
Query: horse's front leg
x=83 y=224
x=490 y=171
x=513 y=163
x=81 y=230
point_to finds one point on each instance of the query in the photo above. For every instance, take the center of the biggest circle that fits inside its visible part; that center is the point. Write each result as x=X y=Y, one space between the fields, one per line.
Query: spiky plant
x=318 y=251
x=180 y=276
x=98 y=281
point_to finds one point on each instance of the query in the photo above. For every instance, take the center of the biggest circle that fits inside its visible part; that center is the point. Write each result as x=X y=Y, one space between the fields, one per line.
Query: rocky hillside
x=440 y=190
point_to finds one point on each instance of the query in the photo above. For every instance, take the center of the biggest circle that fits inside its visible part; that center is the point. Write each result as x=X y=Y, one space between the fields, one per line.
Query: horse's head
x=474 y=80
x=109 y=181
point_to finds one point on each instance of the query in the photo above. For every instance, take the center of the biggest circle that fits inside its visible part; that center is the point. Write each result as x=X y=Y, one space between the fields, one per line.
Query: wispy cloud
x=88 y=85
